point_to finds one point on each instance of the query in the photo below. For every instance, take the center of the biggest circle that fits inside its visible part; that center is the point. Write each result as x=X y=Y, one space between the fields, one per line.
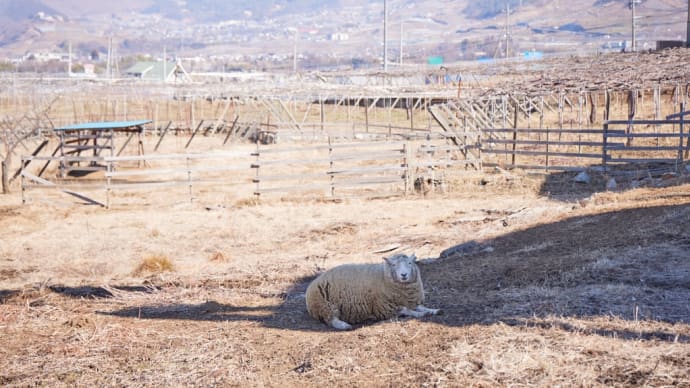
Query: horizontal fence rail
x=331 y=169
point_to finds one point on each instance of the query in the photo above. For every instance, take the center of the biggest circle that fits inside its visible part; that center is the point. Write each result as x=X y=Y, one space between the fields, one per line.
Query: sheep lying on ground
x=354 y=293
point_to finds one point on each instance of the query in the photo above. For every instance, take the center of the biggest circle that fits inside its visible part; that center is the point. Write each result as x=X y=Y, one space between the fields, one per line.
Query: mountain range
x=341 y=28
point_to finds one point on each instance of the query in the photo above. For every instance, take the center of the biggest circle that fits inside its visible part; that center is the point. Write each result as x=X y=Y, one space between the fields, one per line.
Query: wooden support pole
x=160 y=139
x=231 y=130
x=366 y=115
x=607 y=105
x=593 y=102
x=193 y=133
x=129 y=138
x=411 y=113
x=26 y=163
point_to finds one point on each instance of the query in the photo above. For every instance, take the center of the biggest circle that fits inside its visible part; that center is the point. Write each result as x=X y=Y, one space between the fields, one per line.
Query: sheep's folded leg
x=428 y=311
x=418 y=312
x=340 y=325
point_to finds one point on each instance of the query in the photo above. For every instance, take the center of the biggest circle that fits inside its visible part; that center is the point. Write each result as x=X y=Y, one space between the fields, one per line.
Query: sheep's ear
x=414 y=258
x=387 y=259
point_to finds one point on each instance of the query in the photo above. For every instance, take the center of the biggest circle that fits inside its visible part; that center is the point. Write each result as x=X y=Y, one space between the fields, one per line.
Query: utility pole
x=69 y=63
x=687 y=28
x=385 y=36
x=108 y=65
x=401 y=43
x=632 y=4
x=507 y=30
x=165 y=64
x=294 y=52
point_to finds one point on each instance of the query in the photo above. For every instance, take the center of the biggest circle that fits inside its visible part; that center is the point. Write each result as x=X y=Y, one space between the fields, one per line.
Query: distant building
x=339 y=36
x=159 y=71
x=667 y=44
x=533 y=55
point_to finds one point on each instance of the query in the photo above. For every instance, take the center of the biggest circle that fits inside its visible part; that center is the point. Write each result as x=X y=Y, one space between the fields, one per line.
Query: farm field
x=556 y=285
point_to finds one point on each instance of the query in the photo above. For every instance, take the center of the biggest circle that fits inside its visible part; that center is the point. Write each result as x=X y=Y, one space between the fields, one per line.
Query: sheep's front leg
x=405 y=312
x=340 y=325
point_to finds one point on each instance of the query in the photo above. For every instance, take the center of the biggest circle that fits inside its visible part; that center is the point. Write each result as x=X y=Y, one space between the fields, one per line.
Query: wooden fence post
x=679 y=161
x=515 y=123
x=366 y=115
x=23 y=187
x=547 y=149
x=5 y=177
x=189 y=179
x=108 y=181
x=605 y=134
x=406 y=152
x=257 y=166
x=323 y=114
x=330 y=166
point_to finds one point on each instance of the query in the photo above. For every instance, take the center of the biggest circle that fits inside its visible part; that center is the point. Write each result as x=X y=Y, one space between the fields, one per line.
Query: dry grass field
x=559 y=285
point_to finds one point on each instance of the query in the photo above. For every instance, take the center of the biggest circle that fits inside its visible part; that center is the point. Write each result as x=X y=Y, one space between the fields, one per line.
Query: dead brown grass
x=154 y=264
x=569 y=286
x=219 y=257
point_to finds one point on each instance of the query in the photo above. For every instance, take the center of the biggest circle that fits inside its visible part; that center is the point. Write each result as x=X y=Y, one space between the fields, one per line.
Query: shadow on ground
x=573 y=186
x=630 y=264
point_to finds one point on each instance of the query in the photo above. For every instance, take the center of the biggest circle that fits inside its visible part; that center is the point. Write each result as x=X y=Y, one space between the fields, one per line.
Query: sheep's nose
x=403 y=276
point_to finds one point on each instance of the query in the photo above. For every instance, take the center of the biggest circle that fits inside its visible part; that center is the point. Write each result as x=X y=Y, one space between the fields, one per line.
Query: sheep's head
x=401 y=268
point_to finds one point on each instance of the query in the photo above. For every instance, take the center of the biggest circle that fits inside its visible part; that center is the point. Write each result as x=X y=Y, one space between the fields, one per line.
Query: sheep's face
x=401 y=268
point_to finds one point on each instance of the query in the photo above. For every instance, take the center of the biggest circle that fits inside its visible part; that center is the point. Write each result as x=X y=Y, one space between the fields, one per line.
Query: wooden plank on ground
x=48 y=183
x=26 y=162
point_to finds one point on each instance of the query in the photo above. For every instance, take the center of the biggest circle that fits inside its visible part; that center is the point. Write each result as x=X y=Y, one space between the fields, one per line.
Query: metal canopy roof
x=104 y=125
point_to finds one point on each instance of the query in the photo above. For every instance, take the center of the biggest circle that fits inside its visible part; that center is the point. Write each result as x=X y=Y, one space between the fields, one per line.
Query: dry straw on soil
x=154 y=264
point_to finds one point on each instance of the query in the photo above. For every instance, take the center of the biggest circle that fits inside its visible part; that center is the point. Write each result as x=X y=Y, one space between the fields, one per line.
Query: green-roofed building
x=158 y=71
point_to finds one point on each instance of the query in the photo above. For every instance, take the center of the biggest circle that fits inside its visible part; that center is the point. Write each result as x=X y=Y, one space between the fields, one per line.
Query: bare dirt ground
x=551 y=289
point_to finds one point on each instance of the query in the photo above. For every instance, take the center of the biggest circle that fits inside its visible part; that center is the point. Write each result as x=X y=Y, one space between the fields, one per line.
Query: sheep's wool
x=356 y=293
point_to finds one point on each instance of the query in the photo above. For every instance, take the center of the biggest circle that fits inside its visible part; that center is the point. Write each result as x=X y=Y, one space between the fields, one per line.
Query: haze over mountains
x=338 y=31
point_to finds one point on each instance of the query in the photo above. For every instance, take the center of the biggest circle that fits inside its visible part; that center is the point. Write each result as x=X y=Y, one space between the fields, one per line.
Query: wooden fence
x=149 y=173
x=620 y=143
x=370 y=169
x=332 y=169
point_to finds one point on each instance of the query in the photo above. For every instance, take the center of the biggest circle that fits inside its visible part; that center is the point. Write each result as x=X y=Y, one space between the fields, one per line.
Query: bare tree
x=16 y=131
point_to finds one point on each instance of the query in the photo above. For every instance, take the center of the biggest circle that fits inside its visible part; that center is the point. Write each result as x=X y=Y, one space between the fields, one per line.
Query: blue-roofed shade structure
x=90 y=142
x=105 y=125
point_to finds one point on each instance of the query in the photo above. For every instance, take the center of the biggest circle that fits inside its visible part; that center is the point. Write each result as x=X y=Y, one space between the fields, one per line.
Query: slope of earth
x=612 y=71
x=543 y=292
